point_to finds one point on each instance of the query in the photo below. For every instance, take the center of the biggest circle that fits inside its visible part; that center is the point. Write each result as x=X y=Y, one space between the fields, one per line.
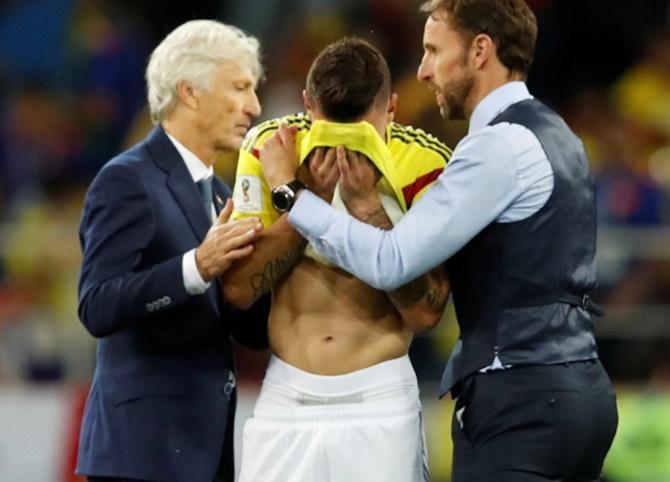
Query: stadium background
x=72 y=95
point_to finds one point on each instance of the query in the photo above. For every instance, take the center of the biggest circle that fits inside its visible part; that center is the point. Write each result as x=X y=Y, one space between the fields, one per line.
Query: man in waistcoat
x=513 y=218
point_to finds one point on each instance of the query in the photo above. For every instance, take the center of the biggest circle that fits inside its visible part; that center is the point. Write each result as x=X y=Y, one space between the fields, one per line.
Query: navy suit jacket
x=162 y=401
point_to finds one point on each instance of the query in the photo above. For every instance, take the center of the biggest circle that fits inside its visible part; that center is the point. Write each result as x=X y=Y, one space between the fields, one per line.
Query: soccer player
x=340 y=397
x=513 y=217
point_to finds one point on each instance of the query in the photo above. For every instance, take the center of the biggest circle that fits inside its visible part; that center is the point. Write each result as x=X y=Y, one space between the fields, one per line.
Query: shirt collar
x=198 y=169
x=495 y=102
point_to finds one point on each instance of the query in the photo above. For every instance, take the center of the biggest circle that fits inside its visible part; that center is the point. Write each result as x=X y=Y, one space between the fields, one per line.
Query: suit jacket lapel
x=179 y=180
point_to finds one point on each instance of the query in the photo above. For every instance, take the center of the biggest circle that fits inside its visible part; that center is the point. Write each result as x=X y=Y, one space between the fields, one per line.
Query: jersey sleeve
x=251 y=193
x=423 y=158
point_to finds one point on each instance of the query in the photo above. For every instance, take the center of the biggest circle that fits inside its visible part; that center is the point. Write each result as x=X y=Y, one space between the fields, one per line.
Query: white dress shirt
x=497 y=173
x=193 y=282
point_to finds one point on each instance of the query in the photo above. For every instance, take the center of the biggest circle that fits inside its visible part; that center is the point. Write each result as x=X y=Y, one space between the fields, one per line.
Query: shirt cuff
x=193 y=282
x=310 y=214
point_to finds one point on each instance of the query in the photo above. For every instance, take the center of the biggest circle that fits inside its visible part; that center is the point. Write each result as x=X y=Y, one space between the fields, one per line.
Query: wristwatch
x=283 y=196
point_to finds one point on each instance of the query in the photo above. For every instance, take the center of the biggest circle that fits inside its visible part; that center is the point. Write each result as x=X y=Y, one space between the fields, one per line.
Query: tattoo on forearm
x=274 y=269
x=437 y=297
x=410 y=293
x=378 y=218
x=373 y=214
x=430 y=287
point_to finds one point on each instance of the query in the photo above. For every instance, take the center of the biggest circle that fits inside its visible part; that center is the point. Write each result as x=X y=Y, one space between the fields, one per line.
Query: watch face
x=280 y=200
x=283 y=196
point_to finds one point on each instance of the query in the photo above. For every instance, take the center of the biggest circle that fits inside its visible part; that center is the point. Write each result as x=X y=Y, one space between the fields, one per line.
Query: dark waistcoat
x=521 y=289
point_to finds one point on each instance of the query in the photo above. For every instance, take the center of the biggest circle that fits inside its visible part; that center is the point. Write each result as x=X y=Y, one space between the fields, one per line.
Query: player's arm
x=276 y=251
x=280 y=246
x=420 y=302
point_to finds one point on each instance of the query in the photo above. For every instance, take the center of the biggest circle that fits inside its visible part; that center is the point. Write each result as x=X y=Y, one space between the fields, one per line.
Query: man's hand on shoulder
x=226 y=241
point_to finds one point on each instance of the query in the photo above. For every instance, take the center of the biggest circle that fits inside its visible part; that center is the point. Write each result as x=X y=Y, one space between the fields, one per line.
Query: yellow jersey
x=416 y=159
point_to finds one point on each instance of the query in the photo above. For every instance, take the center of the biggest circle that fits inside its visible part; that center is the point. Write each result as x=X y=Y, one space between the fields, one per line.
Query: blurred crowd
x=72 y=96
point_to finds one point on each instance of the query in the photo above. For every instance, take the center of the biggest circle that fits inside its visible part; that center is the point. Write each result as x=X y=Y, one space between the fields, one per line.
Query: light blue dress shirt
x=497 y=173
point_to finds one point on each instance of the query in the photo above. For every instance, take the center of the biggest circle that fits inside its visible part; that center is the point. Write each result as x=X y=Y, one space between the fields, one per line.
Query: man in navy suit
x=156 y=238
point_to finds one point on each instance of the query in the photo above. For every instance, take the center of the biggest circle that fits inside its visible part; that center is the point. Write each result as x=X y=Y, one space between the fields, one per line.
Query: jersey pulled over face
x=324 y=320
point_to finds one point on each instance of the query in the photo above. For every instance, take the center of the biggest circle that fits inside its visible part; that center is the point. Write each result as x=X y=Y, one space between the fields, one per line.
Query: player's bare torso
x=327 y=322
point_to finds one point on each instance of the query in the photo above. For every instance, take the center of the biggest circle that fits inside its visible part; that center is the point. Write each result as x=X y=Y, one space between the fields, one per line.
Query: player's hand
x=322 y=172
x=279 y=157
x=225 y=242
x=358 y=177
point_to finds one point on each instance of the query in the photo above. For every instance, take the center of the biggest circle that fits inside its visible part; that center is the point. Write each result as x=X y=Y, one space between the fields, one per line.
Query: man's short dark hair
x=511 y=24
x=347 y=78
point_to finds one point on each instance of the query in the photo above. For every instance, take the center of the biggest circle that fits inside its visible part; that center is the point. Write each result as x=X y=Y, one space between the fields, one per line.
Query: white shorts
x=364 y=426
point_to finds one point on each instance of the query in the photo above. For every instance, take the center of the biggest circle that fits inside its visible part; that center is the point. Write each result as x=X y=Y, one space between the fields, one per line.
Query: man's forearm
x=421 y=301
x=263 y=279
x=376 y=216
x=276 y=251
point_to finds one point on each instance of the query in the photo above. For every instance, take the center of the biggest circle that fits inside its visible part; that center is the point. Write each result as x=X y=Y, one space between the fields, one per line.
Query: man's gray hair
x=191 y=52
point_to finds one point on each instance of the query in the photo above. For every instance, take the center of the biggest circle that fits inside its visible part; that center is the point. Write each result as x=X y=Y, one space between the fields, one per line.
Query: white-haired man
x=155 y=238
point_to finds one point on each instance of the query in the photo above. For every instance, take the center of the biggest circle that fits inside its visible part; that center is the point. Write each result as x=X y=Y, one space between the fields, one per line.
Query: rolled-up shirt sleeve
x=478 y=184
